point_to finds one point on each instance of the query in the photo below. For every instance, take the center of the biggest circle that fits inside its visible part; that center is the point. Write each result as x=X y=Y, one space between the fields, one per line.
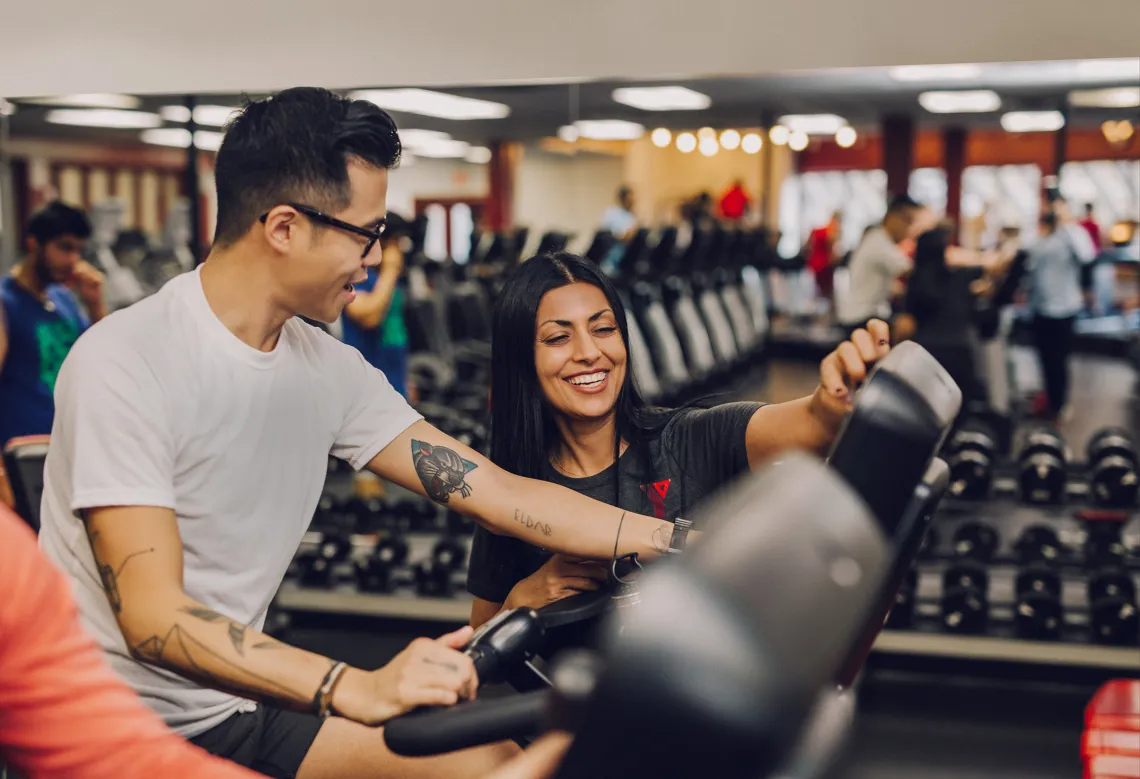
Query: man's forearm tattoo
x=109 y=576
x=441 y=471
x=235 y=631
x=533 y=524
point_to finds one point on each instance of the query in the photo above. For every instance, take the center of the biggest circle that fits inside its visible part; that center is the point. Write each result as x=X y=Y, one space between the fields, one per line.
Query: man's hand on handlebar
x=558 y=578
x=426 y=673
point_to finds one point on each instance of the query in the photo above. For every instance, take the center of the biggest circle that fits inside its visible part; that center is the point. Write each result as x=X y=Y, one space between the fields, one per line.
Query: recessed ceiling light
x=6 y=108
x=957 y=72
x=207 y=115
x=1032 y=121
x=125 y=102
x=103 y=117
x=706 y=132
x=672 y=98
x=1113 y=97
x=730 y=140
x=568 y=133
x=798 y=140
x=709 y=146
x=438 y=104
x=686 y=142
x=778 y=135
x=179 y=138
x=751 y=143
x=813 y=124
x=609 y=129
x=964 y=102
x=845 y=137
x=661 y=137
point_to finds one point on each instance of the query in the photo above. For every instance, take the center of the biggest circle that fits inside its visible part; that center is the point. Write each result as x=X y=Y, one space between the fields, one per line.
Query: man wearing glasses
x=189 y=450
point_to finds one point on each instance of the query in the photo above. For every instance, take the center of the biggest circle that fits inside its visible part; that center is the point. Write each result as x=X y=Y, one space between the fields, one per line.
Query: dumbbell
x=424 y=515
x=1042 y=473
x=964 y=598
x=1112 y=608
x=316 y=568
x=433 y=576
x=970 y=456
x=901 y=614
x=1104 y=546
x=1113 y=478
x=364 y=515
x=1039 y=544
x=1038 y=613
x=328 y=512
x=975 y=541
x=459 y=525
x=375 y=572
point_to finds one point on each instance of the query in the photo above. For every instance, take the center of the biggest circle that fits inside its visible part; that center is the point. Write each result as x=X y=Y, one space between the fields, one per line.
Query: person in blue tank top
x=374 y=321
x=50 y=297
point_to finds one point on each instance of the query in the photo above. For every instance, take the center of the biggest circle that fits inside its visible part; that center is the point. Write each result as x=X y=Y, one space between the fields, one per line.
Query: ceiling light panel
x=935 y=73
x=1113 y=97
x=609 y=129
x=1032 y=121
x=964 y=102
x=103 y=117
x=813 y=124
x=125 y=102
x=436 y=104
x=671 y=98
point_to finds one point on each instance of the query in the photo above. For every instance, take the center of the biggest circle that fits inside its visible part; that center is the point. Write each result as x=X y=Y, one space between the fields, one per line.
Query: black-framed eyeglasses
x=319 y=216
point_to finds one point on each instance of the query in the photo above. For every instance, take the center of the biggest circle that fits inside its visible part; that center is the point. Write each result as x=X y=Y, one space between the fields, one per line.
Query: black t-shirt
x=696 y=453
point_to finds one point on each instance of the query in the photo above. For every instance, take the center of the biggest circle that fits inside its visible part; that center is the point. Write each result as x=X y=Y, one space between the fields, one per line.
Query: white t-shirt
x=160 y=404
x=874 y=266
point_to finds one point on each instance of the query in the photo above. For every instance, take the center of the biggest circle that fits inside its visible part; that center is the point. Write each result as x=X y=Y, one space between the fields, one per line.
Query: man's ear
x=31 y=245
x=280 y=227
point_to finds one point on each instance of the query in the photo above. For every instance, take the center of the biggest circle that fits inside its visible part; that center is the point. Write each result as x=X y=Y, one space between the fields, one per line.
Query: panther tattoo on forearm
x=441 y=471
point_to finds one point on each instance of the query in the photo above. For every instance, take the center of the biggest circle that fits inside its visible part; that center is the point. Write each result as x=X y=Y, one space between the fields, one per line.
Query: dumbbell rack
x=999 y=641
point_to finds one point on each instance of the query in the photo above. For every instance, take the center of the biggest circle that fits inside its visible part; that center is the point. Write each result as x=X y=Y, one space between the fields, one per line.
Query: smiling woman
x=565 y=410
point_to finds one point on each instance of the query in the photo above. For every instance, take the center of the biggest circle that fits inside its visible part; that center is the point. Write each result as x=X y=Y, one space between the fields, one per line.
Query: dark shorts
x=270 y=741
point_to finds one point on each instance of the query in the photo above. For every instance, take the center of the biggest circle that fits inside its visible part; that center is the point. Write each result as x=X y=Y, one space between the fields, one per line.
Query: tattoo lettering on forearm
x=109 y=576
x=441 y=471
x=533 y=524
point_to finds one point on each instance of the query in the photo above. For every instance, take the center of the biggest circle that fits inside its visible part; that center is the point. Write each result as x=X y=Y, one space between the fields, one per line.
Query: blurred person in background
x=621 y=223
x=1089 y=223
x=876 y=264
x=42 y=302
x=823 y=254
x=374 y=324
x=734 y=202
x=1054 y=269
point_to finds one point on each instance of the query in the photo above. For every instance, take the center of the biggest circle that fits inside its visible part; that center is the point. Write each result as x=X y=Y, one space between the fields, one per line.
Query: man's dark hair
x=56 y=220
x=295 y=147
x=899 y=202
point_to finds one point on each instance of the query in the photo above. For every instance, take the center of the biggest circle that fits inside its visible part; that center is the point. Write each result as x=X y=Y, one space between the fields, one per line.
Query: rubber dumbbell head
x=901 y=614
x=448 y=553
x=1043 y=440
x=1104 y=546
x=1114 y=482
x=1038 y=616
x=1039 y=544
x=1115 y=620
x=1042 y=478
x=1039 y=579
x=432 y=580
x=1111 y=442
x=971 y=475
x=965 y=574
x=1111 y=584
x=313 y=570
x=975 y=541
x=334 y=547
x=965 y=610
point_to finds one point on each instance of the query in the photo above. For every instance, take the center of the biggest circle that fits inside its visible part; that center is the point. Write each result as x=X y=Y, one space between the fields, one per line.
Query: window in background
x=461 y=227
x=928 y=186
x=1112 y=187
x=808 y=200
x=435 y=241
x=996 y=196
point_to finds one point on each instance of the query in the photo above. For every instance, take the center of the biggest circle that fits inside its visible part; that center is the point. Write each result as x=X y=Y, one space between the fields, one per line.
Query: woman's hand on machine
x=427 y=673
x=558 y=578
x=845 y=369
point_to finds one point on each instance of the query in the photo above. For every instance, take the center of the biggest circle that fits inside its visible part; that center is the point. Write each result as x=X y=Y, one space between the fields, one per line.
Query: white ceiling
x=228 y=45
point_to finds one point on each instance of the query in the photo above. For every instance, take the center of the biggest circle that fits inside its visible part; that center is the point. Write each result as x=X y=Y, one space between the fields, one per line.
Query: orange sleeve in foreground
x=63 y=712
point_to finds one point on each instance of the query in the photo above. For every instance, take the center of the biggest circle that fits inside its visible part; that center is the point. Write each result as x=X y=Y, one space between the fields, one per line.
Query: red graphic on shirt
x=657 y=492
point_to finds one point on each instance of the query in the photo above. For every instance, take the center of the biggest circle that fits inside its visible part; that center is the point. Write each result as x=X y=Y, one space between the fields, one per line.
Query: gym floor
x=965 y=722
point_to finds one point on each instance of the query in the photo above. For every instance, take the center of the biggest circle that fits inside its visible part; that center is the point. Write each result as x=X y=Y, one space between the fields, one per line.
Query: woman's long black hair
x=524 y=435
